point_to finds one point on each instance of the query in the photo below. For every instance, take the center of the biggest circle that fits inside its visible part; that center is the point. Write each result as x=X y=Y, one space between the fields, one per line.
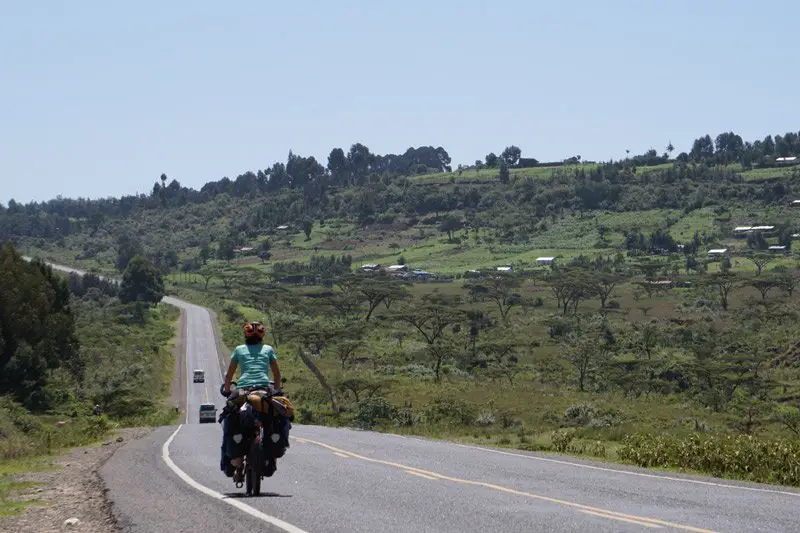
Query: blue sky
x=99 y=98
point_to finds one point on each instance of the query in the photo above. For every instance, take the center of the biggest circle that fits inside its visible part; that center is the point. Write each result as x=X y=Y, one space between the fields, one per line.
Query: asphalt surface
x=338 y=480
x=201 y=354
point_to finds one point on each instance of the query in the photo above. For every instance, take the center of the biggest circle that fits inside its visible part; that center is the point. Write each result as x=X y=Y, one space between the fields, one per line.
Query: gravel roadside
x=72 y=496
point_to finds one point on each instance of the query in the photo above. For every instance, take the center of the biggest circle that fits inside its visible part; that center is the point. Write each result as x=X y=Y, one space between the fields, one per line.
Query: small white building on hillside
x=543 y=261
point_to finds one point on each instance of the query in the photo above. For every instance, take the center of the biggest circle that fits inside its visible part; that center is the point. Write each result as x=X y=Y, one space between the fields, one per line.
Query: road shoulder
x=73 y=489
x=179 y=377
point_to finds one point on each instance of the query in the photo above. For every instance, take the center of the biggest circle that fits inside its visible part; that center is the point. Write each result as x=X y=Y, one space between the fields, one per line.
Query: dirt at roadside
x=72 y=491
x=178 y=387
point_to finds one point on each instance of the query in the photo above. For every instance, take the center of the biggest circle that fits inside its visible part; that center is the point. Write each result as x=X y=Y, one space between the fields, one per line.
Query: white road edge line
x=289 y=528
x=629 y=473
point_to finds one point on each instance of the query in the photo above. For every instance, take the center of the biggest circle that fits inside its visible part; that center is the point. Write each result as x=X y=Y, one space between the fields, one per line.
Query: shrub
x=561 y=439
x=742 y=456
x=587 y=415
x=485 y=419
x=597 y=449
x=370 y=412
x=305 y=416
x=405 y=417
x=450 y=411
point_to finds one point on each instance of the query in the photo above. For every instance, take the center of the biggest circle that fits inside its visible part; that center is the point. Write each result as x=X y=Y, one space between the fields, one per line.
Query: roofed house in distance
x=717 y=253
x=744 y=231
x=541 y=261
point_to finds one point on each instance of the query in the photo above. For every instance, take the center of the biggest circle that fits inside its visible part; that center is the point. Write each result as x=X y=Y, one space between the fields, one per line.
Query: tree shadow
x=238 y=495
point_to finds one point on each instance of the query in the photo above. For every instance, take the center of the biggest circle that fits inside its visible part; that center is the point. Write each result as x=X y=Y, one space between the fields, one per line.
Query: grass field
x=10 y=487
x=530 y=409
x=761 y=174
x=426 y=248
x=490 y=175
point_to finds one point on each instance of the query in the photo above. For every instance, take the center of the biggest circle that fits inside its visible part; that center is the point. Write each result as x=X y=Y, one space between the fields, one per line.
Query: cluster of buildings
x=405 y=272
x=741 y=232
x=399 y=271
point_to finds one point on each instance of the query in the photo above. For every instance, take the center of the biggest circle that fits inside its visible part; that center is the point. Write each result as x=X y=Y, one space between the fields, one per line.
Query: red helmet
x=254 y=329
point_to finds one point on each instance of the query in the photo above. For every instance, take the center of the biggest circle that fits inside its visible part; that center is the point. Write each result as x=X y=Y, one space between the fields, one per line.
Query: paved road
x=337 y=480
x=201 y=353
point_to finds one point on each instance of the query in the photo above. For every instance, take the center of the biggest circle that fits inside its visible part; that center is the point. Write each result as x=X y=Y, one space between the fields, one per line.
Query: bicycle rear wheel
x=253 y=470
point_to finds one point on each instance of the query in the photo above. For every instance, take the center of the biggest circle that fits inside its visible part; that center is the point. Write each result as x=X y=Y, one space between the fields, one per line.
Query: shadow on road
x=262 y=495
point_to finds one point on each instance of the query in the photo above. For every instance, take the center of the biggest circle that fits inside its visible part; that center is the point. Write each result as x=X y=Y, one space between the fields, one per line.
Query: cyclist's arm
x=276 y=373
x=229 y=376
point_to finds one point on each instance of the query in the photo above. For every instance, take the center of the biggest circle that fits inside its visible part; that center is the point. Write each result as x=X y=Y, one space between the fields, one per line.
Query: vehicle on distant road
x=199 y=376
x=208 y=413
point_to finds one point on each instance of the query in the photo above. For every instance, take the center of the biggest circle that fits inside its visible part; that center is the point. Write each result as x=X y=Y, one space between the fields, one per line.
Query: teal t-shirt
x=253 y=361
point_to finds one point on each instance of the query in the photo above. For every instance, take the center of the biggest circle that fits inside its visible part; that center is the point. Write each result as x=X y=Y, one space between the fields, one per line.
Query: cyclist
x=256 y=359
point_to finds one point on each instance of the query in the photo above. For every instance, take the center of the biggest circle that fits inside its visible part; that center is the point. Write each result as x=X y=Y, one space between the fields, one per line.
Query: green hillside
x=634 y=344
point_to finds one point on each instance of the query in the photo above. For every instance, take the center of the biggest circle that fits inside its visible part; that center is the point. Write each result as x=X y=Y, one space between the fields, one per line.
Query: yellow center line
x=421 y=475
x=604 y=512
x=341 y=455
x=637 y=522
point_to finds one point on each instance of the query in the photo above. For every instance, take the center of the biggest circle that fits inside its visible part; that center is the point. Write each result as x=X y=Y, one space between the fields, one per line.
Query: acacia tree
x=787 y=279
x=207 y=274
x=561 y=286
x=431 y=318
x=730 y=362
x=450 y=224
x=585 y=347
x=603 y=284
x=501 y=358
x=348 y=343
x=648 y=338
x=583 y=354
x=789 y=417
x=372 y=290
x=313 y=335
x=570 y=287
x=763 y=286
x=477 y=321
x=760 y=261
x=723 y=284
x=361 y=387
x=500 y=289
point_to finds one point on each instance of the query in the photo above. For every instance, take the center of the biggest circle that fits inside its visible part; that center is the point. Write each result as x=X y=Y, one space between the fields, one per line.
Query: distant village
x=404 y=271
x=407 y=273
